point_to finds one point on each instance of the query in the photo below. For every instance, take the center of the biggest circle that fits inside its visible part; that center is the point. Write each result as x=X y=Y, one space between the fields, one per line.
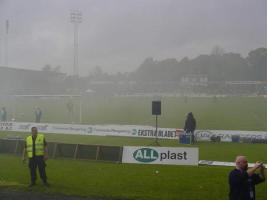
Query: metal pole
x=81 y=109
x=6 y=43
x=14 y=107
x=72 y=112
x=156 y=129
x=75 y=50
x=0 y=50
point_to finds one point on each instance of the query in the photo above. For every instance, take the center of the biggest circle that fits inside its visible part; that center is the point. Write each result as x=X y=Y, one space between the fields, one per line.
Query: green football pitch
x=131 y=181
x=226 y=113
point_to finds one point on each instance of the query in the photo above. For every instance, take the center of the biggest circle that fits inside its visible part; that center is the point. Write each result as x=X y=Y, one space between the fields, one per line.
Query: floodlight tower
x=76 y=19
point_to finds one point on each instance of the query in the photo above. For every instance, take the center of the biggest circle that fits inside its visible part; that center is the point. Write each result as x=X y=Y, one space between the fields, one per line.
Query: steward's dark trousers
x=37 y=161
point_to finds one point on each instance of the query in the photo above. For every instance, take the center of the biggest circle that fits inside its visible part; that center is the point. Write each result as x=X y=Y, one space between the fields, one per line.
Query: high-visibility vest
x=39 y=145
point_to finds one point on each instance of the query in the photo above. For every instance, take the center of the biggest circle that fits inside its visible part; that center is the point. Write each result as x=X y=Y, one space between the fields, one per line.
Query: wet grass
x=131 y=181
x=227 y=113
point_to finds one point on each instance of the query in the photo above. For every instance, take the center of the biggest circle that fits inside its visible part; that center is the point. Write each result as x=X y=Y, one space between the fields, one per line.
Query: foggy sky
x=119 y=34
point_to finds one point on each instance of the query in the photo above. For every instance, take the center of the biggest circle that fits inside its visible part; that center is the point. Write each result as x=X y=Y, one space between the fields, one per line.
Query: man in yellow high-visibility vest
x=37 y=153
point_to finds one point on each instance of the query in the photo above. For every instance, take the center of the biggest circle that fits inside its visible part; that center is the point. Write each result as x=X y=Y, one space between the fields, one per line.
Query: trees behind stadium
x=218 y=66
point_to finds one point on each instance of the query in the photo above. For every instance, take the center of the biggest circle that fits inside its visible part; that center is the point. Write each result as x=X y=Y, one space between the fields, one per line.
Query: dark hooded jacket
x=190 y=123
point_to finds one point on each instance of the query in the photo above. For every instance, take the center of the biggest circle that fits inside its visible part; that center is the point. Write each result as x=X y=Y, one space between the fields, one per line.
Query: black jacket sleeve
x=257 y=179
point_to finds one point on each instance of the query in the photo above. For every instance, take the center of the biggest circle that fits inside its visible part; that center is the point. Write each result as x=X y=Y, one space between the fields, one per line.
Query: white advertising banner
x=6 y=126
x=160 y=155
x=128 y=131
x=226 y=135
x=221 y=163
x=100 y=130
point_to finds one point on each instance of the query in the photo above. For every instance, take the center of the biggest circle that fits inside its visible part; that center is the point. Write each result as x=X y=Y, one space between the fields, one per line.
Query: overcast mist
x=119 y=34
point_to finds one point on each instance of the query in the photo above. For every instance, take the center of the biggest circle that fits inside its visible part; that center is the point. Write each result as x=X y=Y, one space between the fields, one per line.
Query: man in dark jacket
x=242 y=180
x=190 y=126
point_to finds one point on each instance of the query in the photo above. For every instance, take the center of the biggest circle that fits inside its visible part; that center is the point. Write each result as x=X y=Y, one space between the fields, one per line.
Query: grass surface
x=230 y=113
x=130 y=181
x=125 y=181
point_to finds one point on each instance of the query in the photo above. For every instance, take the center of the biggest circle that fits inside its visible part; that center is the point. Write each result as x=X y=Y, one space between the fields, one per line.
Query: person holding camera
x=242 y=180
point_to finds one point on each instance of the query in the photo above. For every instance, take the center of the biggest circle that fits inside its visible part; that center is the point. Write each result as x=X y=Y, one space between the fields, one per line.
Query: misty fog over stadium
x=119 y=35
x=131 y=99
x=131 y=48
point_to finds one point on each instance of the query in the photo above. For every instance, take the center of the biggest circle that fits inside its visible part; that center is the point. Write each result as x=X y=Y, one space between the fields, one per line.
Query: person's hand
x=258 y=164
